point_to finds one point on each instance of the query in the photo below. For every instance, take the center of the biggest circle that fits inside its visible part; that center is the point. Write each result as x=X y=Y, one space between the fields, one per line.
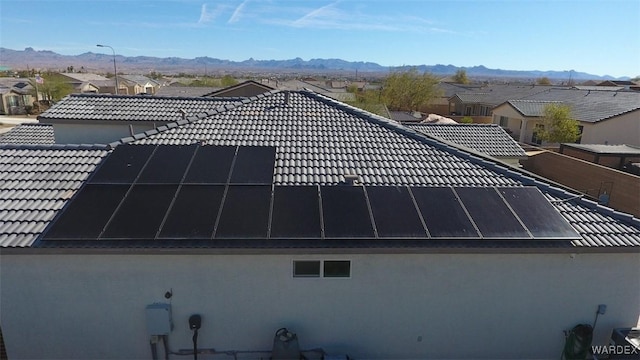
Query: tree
x=558 y=125
x=409 y=90
x=228 y=80
x=543 y=81
x=53 y=87
x=461 y=77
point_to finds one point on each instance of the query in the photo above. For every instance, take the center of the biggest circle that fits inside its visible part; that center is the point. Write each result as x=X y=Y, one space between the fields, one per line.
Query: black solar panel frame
x=134 y=218
x=491 y=214
x=296 y=212
x=211 y=165
x=394 y=212
x=540 y=217
x=123 y=165
x=168 y=164
x=193 y=213
x=339 y=217
x=238 y=212
x=253 y=165
x=91 y=207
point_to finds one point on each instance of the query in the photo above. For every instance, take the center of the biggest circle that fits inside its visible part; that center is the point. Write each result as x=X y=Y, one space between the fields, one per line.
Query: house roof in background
x=184 y=91
x=256 y=86
x=531 y=108
x=95 y=107
x=35 y=183
x=84 y=77
x=489 y=139
x=607 y=149
x=590 y=106
x=404 y=116
x=29 y=134
x=492 y=95
x=138 y=79
x=317 y=142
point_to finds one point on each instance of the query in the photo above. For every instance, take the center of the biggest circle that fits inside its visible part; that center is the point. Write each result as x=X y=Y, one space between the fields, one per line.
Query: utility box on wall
x=159 y=319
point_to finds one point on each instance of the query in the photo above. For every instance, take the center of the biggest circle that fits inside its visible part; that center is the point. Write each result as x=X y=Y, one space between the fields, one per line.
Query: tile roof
x=184 y=91
x=318 y=141
x=607 y=149
x=531 y=107
x=498 y=94
x=588 y=106
x=128 y=108
x=489 y=139
x=29 y=134
x=35 y=182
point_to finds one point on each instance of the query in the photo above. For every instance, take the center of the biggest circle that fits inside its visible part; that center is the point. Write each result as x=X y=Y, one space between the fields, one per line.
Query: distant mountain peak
x=20 y=59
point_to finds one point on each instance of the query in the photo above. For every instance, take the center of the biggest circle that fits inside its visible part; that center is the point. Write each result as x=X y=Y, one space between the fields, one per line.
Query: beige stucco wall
x=623 y=129
x=515 y=121
x=394 y=306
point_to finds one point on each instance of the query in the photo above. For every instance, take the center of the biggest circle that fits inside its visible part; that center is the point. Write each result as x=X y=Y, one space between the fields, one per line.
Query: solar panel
x=254 y=165
x=194 y=212
x=245 y=212
x=88 y=212
x=345 y=212
x=141 y=212
x=167 y=165
x=123 y=165
x=490 y=213
x=537 y=214
x=211 y=165
x=443 y=213
x=394 y=213
x=296 y=212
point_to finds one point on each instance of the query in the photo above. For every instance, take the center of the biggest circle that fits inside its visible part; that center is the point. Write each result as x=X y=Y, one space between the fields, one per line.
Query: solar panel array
x=165 y=192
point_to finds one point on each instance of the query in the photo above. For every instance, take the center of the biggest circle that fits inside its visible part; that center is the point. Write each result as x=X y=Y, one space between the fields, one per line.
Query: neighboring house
x=619 y=157
x=101 y=118
x=481 y=101
x=139 y=84
x=93 y=83
x=244 y=89
x=605 y=117
x=29 y=133
x=16 y=96
x=487 y=139
x=626 y=84
x=184 y=91
x=290 y=209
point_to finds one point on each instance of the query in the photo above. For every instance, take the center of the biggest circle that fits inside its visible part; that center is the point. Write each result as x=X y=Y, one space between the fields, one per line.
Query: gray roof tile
x=128 y=108
x=318 y=141
x=488 y=139
x=35 y=183
x=29 y=134
x=586 y=105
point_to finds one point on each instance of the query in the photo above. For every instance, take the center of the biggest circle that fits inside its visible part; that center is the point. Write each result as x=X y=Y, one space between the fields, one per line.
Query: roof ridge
x=190 y=119
x=56 y=146
x=200 y=98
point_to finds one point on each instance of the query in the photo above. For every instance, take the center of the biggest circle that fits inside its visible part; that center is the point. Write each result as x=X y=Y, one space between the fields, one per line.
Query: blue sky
x=598 y=37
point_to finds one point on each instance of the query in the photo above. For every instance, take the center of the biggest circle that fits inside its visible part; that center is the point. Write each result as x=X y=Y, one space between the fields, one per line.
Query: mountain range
x=92 y=62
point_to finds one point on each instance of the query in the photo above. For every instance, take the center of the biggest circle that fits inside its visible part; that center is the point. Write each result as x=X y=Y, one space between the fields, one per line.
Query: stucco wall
x=393 y=307
x=623 y=129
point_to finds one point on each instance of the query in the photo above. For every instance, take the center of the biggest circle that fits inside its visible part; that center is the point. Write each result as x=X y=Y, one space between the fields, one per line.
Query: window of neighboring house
x=504 y=121
x=580 y=129
x=328 y=268
x=13 y=100
x=534 y=137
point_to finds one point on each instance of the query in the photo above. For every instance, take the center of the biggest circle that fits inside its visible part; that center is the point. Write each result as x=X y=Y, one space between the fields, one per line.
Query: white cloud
x=207 y=15
x=237 y=13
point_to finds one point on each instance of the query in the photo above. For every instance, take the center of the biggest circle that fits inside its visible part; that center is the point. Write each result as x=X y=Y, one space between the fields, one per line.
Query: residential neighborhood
x=261 y=206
